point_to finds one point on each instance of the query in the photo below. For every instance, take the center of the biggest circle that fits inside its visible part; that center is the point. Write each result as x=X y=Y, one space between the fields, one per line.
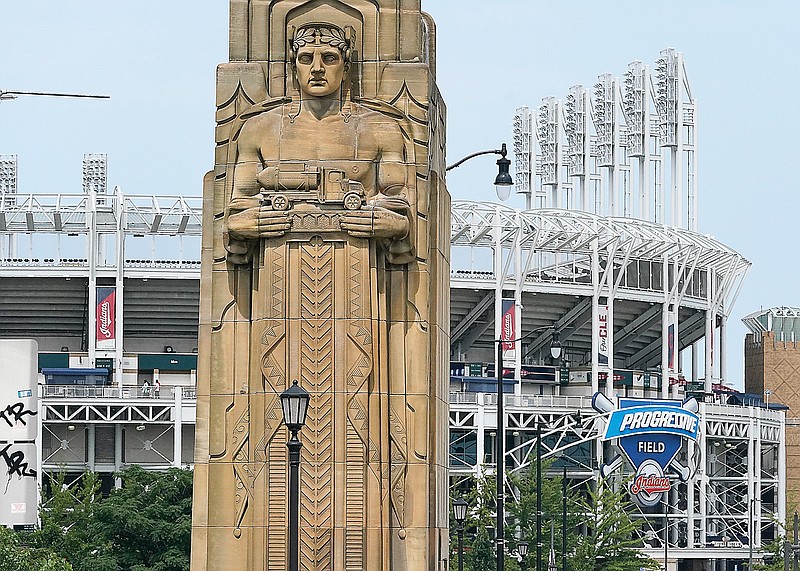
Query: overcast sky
x=156 y=58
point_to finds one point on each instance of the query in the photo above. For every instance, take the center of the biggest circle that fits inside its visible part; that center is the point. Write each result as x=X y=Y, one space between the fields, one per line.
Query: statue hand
x=273 y=223
x=258 y=222
x=375 y=222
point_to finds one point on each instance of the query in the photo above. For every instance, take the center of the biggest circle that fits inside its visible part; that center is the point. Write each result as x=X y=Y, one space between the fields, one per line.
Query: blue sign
x=650 y=434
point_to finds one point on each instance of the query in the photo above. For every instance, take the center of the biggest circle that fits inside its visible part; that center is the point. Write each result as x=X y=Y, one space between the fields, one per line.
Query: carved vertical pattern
x=316 y=370
x=276 y=490
x=271 y=449
x=357 y=437
x=242 y=473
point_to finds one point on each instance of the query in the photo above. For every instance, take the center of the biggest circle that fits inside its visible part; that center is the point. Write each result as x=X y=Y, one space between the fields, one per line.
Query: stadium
x=605 y=264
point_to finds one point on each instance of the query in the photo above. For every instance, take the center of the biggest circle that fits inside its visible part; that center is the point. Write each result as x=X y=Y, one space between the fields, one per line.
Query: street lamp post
x=502 y=183
x=460 y=514
x=294 y=402
x=666 y=531
x=538 y=496
x=555 y=352
x=564 y=519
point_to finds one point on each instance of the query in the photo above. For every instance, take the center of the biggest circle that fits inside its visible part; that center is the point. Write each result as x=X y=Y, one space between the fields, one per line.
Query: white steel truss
x=737 y=461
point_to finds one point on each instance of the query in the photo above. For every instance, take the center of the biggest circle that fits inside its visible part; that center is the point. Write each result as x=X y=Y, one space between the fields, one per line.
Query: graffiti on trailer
x=17 y=466
x=16 y=412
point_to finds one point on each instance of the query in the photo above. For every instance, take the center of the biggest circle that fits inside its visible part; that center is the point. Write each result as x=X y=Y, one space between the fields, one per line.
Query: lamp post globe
x=522 y=548
x=294 y=402
x=555 y=345
x=460 y=511
x=503 y=182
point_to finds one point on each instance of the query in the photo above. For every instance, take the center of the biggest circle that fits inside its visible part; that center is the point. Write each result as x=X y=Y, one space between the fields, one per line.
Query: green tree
x=65 y=514
x=143 y=526
x=611 y=541
x=773 y=556
x=478 y=545
x=523 y=512
x=16 y=557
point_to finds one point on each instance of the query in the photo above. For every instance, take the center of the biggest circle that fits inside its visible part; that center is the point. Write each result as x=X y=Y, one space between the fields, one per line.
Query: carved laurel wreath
x=327 y=35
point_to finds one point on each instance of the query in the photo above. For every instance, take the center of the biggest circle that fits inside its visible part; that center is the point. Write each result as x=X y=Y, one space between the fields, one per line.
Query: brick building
x=772 y=369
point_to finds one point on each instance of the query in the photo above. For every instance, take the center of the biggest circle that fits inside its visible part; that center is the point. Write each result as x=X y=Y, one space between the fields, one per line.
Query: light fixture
x=460 y=514
x=168 y=349
x=65 y=349
x=522 y=548
x=140 y=427
x=294 y=401
x=460 y=510
x=71 y=427
x=555 y=345
x=503 y=182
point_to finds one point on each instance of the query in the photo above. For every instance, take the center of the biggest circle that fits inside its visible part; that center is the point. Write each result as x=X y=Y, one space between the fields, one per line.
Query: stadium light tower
x=524 y=159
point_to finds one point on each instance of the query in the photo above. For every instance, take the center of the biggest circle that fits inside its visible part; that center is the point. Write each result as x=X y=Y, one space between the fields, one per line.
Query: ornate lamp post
x=294 y=401
x=503 y=181
x=522 y=551
x=555 y=352
x=460 y=514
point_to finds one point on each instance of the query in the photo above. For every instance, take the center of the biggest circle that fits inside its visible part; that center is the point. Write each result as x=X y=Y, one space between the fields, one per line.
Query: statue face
x=320 y=69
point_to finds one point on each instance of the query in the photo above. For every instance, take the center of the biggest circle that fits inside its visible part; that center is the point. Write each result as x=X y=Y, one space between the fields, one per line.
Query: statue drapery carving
x=325 y=261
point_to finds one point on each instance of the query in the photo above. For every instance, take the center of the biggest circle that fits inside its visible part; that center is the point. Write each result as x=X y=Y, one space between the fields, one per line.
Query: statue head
x=320 y=56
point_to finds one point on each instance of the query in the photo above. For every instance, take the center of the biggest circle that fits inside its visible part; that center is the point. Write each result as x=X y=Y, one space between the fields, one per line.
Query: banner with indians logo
x=105 y=317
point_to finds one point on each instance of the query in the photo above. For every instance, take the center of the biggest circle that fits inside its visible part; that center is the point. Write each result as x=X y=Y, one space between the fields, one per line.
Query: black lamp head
x=503 y=182
x=294 y=402
x=522 y=548
x=460 y=510
x=555 y=345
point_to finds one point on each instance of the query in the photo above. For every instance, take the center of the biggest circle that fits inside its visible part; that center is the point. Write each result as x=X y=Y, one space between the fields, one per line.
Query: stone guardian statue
x=326 y=261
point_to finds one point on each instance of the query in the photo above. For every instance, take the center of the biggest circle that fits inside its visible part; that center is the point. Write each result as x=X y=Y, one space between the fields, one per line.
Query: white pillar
x=723 y=366
x=480 y=430
x=120 y=283
x=91 y=259
x=117 y=454
x=90 y=446
x=177 y=427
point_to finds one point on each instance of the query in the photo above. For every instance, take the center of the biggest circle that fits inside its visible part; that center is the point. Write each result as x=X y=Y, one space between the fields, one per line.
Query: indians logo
x=106 y=299
x=104 y=319
x=650 y=434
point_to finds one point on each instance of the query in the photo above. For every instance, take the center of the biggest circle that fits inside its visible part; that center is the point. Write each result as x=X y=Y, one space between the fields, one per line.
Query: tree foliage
x=601 y=534
x=143 y=526
x=610 y=542
x=16 y=557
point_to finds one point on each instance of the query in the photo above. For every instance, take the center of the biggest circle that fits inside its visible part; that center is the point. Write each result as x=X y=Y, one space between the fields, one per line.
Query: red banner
x=508 y=331
x=105 y=317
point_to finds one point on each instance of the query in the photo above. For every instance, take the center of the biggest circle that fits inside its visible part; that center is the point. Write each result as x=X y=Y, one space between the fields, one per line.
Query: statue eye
x=331 y=58
x=304 y=58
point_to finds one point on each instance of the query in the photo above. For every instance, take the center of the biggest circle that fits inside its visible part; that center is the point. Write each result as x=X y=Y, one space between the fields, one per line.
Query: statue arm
x=388 y=215
x=245 y=218
x=393 y=195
